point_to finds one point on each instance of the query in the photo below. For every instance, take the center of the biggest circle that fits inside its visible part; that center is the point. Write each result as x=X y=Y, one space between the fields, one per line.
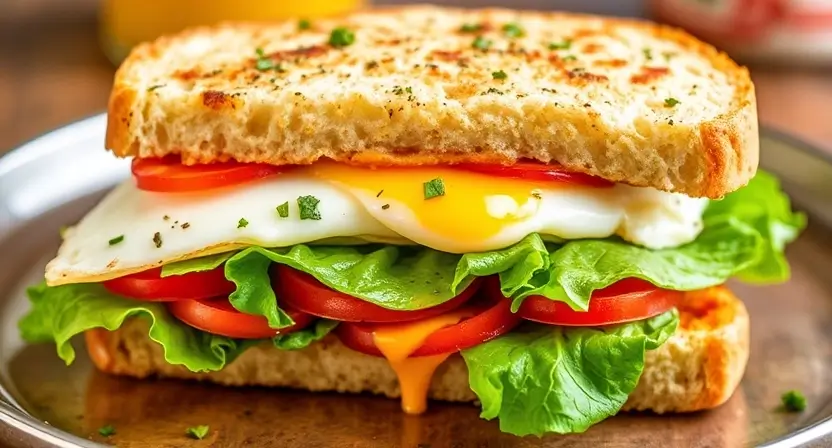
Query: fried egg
x=133 y=230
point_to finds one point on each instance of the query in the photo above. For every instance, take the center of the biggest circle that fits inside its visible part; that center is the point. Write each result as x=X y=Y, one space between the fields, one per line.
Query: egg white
x=197 y=224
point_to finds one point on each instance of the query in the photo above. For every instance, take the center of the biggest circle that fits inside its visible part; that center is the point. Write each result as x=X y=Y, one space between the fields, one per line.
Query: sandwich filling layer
x=551 y=290
x=328 y=203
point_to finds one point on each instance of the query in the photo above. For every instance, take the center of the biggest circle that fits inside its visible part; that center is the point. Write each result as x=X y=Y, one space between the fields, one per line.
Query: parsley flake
x=304 y=24
x=670 y=102
x=648 y=53
x=434 y=188
x=569 y=57
x=341 y=37
x=385 y=206
x=481 y=43
x=379 y=193
x=157 y=86
x=283 y=210
x=185 y=225
x=470 y=28
x=157 y=239
x=308 y=207
x=562 y=45
x=198 y=432
x=793 y=401
x=265 y=63
x=499 y=75
x=242 y=223
x=513 y=30
x=116 y=240
x=107 y=431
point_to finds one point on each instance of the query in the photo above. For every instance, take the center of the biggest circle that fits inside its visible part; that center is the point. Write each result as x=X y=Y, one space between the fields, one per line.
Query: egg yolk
x=474 y=206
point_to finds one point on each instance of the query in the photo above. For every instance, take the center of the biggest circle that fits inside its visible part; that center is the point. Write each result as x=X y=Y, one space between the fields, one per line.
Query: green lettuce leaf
x=563 y=380
x=200 y=264
x=763 y=206
x=61 y=312
x=301 y=339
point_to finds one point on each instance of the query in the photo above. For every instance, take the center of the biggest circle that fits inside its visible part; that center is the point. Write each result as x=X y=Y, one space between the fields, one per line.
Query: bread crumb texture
x=626 y=100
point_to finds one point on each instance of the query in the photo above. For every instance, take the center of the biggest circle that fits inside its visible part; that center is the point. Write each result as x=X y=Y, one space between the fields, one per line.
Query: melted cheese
x=397 y=342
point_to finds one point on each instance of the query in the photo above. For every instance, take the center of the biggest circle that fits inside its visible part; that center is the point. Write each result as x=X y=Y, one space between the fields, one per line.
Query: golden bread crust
x=698 y=368
x=626 y=100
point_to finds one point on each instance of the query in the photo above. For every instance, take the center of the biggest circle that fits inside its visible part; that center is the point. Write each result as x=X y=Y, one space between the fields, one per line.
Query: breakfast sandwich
x=535 y=212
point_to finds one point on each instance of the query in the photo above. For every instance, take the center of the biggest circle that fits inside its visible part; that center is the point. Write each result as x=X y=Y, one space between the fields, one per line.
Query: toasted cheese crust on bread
x=626 y=100
x=699 y=367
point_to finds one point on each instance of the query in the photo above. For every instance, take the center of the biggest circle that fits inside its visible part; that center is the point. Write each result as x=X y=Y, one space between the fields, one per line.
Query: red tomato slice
x=625 y=301
x=151 y=286
x=536 y=172
x=217 y=316
x=170 y=175
x=305 y=293
x=487 y=323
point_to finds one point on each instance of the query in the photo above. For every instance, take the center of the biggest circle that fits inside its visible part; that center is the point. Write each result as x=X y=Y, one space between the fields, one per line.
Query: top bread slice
x=625 y=100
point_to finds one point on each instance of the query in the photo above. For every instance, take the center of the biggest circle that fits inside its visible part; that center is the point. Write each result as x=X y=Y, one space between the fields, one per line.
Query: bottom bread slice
x=699 y=367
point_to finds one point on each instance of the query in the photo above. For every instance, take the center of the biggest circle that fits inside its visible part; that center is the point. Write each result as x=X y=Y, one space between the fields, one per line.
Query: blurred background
x=58 y=57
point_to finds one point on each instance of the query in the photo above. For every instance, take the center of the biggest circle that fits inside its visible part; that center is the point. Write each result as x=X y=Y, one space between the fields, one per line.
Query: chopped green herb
x=264 y=62
x=492 y=90
x=116 y=240
x=304 y=24
x=198 y=432
x=670 y=102
x=157 y=239
x=185 y=225
x=537 y=195
x=513 y=30
x=341 y=37
x=63 y=229
x=308 y=207
x=434 y=188
x=385 y=206
x=408 y=90
x=793 y=401
x=481 y=43
x=379 y=193
x=107 y=431
x=242 y=223
x=471 y=28
x=157 y=86
x=499 y=75
x=569 y=57
x=668 y=55
x=166 y=218
x=283 y=210
x=562 y=45
x=648 y=53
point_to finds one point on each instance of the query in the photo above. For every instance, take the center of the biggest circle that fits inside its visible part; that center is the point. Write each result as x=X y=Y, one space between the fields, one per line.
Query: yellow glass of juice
x=125 y=23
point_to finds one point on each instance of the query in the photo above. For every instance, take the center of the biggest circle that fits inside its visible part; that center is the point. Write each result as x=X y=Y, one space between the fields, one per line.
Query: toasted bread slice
x=629 y=101
x=699 y=367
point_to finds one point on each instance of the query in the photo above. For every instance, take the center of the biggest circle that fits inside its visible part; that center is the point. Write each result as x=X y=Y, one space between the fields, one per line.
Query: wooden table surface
x=52 y=72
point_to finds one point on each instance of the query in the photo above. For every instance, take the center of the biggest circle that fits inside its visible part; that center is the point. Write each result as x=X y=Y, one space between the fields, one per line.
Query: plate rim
x=15 y=418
